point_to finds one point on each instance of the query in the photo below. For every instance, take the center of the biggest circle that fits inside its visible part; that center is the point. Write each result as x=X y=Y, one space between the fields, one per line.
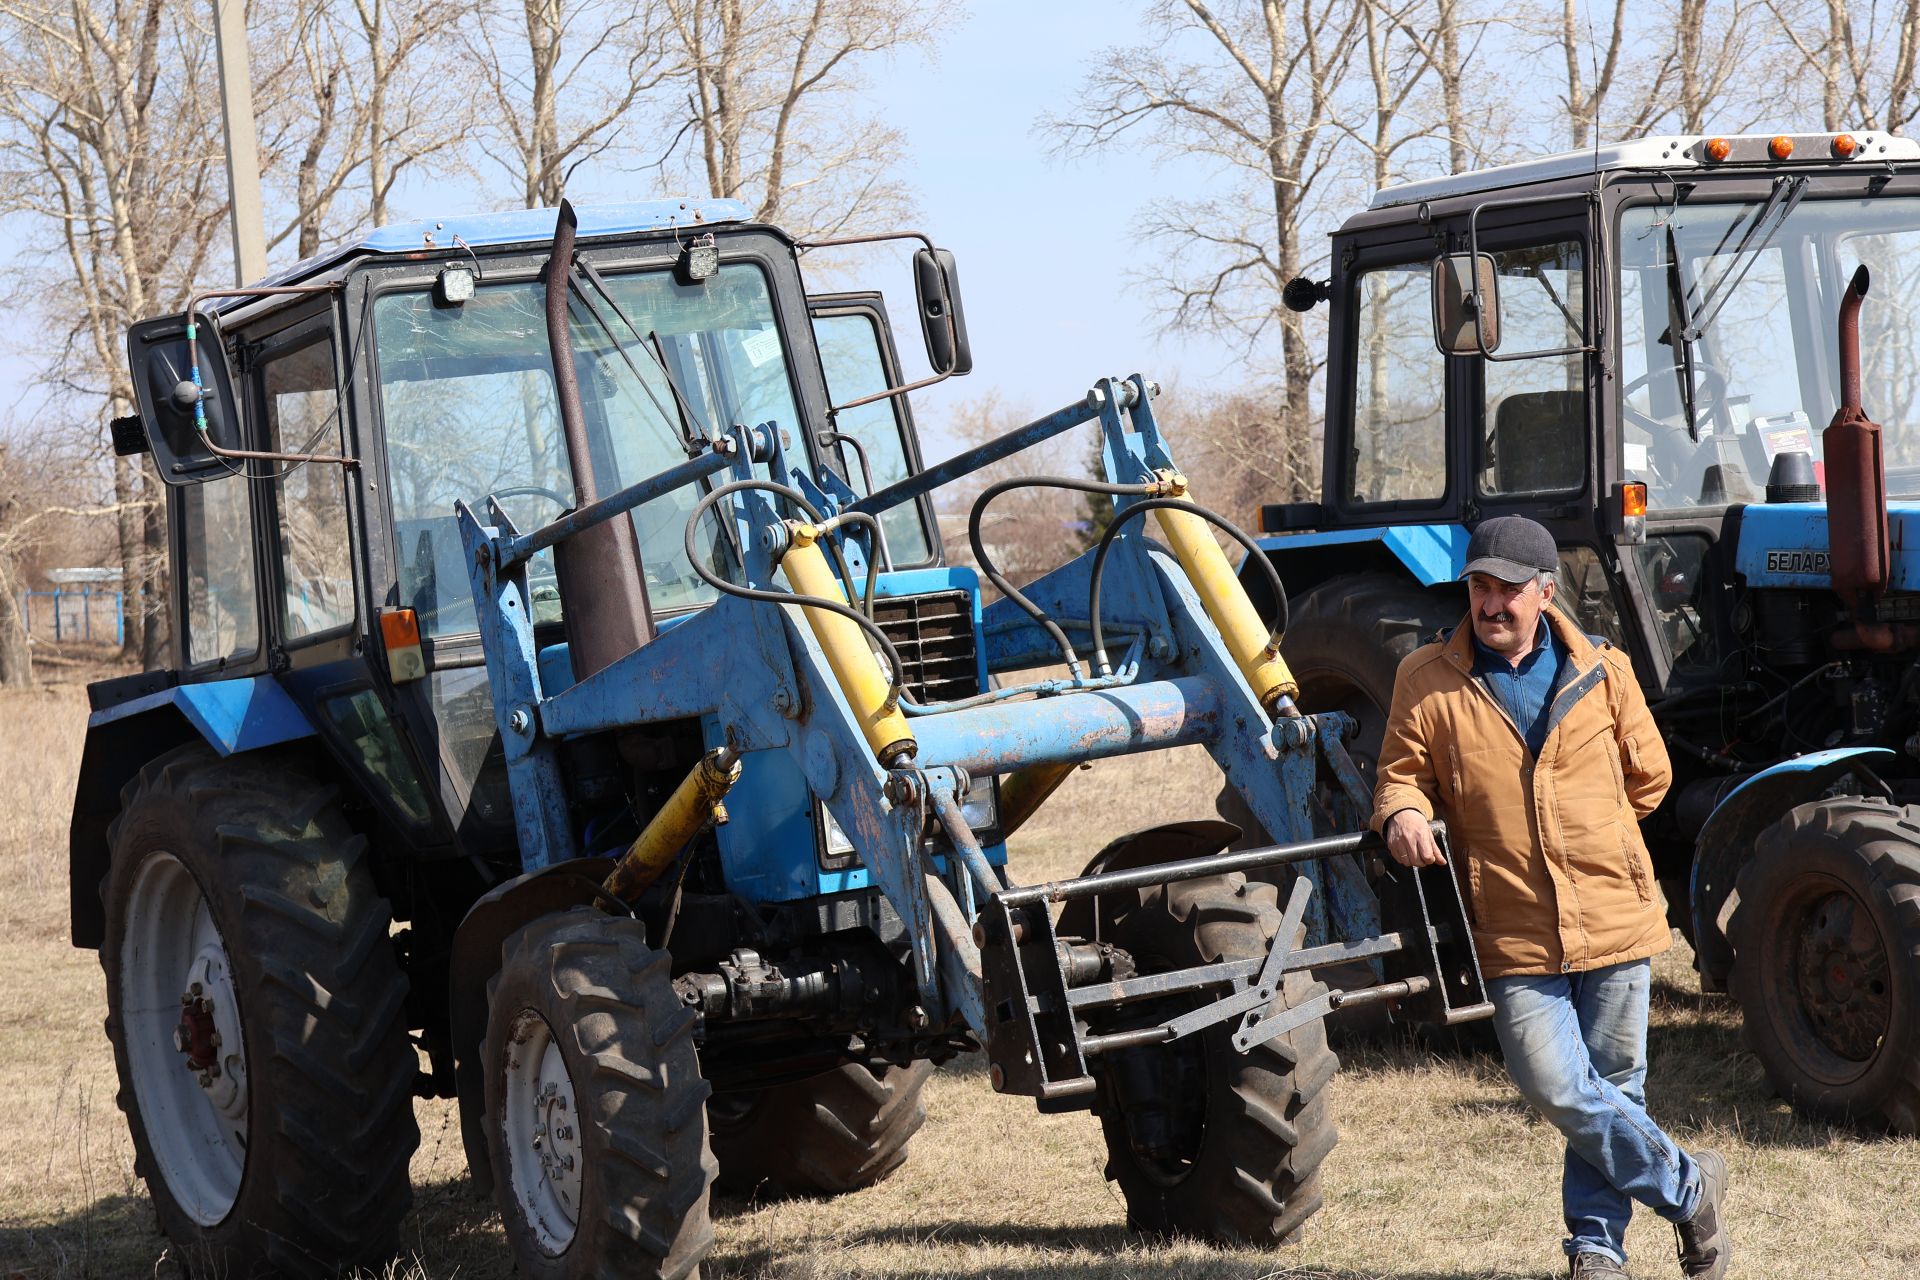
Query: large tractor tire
x=1206 y=1141
x=1344 y=644
x=256 y=1011
x=1826 y=940
x=828 y=1135
x=596 y=1109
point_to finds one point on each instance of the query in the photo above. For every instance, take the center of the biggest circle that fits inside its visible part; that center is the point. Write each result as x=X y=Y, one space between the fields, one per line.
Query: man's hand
x=1410 y=840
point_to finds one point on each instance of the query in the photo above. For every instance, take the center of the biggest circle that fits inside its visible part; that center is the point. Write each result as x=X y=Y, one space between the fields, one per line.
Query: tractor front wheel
x=1204 y=1140
x=596 y=1109
x=1826 y=940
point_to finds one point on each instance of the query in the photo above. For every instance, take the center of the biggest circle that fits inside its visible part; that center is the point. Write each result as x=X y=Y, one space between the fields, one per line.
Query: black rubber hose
x=896 y=675
x=1006 y=588
x=1215 y=519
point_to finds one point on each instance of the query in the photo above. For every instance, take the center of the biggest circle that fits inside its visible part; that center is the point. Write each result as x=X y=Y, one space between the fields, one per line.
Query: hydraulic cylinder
x=693 y=804
x=848 y=652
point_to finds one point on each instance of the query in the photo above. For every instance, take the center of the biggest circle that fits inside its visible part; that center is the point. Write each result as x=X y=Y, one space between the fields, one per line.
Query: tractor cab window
x=1535 y=428
x=316 y=558
x=469 y=410
x=850 y=354
x=223 y=607
x=1728 y=346
x=1399 y=401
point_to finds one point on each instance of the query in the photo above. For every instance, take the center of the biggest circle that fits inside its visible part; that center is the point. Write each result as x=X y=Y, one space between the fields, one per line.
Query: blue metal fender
x=228 y=715
x=1727 y=837
x=1431 y=553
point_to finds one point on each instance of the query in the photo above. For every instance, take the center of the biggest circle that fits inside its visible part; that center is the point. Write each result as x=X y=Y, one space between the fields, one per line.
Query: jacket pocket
x=1636 y=867
x=1630 y=752
x=1453 y=757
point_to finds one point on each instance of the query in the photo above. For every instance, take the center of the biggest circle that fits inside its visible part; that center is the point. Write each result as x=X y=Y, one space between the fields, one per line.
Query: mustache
x=1502 y=616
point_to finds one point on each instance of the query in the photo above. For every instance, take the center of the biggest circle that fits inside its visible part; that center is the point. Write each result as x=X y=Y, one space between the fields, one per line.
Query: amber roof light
x=1718 y=149
x=1781 y=147
x=1844 y=146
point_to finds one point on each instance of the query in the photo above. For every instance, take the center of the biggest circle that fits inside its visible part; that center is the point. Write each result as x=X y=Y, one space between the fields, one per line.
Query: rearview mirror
x=164 y=391
x=1459 y=327
x=936 y=287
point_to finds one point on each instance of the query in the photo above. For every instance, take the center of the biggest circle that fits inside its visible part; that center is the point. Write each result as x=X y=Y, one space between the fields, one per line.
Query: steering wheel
x=560 y=500
x=1713 y=390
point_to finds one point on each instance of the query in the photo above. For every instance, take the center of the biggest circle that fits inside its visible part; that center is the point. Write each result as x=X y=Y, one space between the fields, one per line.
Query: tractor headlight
x=980 y=806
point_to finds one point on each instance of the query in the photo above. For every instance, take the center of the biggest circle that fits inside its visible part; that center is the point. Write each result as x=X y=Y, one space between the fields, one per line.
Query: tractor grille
x=934 y=634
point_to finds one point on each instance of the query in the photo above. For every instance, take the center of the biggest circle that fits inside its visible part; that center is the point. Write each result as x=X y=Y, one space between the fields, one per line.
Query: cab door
x=875 y=441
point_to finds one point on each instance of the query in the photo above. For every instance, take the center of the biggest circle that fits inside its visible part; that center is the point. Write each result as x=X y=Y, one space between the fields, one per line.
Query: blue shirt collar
x=1542 y=647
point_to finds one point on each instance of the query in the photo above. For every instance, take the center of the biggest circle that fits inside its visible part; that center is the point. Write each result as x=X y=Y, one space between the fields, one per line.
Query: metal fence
x=81 y=613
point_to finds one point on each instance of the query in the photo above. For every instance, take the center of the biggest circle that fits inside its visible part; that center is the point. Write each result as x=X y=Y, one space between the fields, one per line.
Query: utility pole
x=243 y=149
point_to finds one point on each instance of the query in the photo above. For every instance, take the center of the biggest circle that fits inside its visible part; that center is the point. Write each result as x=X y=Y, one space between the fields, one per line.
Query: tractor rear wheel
x=837 y=1132
x=1826 y=940
x=1206 y=1141
x=596 y=1109
x=256 y=1011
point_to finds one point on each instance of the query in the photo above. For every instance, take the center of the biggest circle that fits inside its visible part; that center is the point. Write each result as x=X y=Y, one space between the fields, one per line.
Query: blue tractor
x=1660 y=350
x=572 y=714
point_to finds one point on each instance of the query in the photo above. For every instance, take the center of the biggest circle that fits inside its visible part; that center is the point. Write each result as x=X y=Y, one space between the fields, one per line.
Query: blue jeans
x=1576 y=1045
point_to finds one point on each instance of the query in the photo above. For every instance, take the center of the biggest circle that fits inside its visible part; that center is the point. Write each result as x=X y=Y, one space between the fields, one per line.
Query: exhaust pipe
x=602 y=587
x=1856 y=475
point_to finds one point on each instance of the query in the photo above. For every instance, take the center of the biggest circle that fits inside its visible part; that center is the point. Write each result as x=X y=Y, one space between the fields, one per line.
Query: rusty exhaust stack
x=602 y=588
x=1856 y=481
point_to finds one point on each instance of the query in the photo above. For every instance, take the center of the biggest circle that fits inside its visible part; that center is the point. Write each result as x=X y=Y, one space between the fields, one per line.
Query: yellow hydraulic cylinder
x=693 y=804
x=1023 y=791
x=1247 y=638
x=853 y=661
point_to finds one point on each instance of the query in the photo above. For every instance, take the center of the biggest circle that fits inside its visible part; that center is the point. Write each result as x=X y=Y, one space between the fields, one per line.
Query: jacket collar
x=1581 y=652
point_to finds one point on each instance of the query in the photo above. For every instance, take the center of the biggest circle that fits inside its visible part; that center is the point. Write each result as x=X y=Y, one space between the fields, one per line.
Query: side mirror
x=1459 y=328
x=164 y=391
x=936 y=288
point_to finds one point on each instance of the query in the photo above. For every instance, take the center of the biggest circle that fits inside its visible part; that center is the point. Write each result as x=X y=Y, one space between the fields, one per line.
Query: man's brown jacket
x=1557 y=876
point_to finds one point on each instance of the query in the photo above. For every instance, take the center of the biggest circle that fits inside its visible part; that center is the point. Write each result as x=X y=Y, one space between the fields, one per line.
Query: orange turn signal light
x=1781 y=147
x=1633 y=500
x=400 y=628
x=1845 y=145
x=1718 y=149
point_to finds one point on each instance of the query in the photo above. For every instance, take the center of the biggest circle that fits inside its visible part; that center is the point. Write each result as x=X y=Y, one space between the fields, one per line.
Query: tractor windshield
x=1728 y=346
x=469 y=410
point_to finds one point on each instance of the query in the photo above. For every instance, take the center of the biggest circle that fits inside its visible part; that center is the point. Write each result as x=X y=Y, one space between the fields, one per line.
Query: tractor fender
x=1726 y=840
x=1169 y=843
x=474 y=959
x=231 y=716
x=1430 y=554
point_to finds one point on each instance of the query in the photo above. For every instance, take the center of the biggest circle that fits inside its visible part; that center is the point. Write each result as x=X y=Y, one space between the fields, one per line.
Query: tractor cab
x=352 y=401
x=1659 y=330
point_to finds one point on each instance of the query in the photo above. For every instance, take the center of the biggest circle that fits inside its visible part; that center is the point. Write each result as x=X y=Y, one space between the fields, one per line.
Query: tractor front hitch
x=1040 y=987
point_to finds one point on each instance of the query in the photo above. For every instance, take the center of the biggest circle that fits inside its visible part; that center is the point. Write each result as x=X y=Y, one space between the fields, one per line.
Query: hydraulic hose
x=1007 y=589
x=1211 y=517
x=896 y=673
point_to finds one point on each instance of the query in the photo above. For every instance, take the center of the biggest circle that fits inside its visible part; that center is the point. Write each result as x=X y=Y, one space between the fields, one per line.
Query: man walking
x=1536 y=746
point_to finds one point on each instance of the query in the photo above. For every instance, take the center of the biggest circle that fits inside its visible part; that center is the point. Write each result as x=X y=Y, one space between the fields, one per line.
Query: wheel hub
x=542 y=1129
x=1840 y=970
x=180 y=1016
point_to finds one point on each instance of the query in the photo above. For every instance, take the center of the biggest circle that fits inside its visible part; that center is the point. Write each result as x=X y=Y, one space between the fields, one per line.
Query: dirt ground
x=1441 y=1171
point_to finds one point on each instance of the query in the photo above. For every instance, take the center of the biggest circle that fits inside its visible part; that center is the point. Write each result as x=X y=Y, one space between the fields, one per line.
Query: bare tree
x=106 y=109
x=562 y=89
x=1863 y=63
x=352 y=96
x=772 y=113
x=1262 y=102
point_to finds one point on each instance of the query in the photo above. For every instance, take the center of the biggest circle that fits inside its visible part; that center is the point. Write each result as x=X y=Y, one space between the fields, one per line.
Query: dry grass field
x=1441 y=1172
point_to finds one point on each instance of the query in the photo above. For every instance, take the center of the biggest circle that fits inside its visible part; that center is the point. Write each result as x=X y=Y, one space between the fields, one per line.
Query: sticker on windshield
x=1635 y=456
x=1789 y=433
x=762 y=347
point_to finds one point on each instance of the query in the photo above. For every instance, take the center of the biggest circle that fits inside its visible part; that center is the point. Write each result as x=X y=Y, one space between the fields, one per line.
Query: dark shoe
x=1704 y=1246
x=1596 y=1266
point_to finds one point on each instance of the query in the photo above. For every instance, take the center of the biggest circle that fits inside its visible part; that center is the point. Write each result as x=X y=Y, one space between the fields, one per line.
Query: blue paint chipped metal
x=1784 y=544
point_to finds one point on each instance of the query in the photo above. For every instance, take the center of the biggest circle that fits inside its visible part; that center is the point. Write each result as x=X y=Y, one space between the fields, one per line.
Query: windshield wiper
x=693 y=436
x=1784 y=197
